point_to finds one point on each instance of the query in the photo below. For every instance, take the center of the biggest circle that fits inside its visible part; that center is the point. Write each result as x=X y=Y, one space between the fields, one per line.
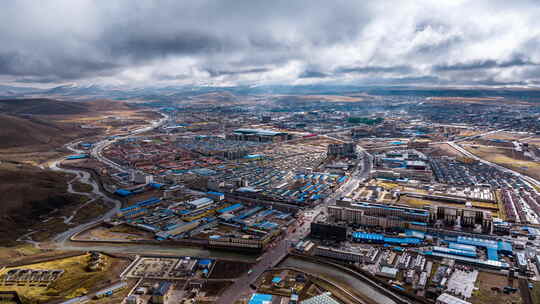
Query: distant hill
x=104 y=105
x=42 y=106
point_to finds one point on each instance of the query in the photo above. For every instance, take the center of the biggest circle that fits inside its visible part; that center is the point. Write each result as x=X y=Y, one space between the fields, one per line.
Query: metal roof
x=450 y=299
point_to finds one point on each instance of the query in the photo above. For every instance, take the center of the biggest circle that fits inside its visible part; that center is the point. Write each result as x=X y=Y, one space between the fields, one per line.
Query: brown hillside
x=21 y=132
x=42 y=106
x=28 y=193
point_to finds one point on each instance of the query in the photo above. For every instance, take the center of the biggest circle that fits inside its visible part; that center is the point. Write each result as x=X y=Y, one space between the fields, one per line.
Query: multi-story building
x=342 y=150
x=339 y=254
x=378 y=215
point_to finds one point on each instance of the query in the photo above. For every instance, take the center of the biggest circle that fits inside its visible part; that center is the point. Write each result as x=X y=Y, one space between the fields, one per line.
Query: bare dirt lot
x=485 y=282
x=507 y=158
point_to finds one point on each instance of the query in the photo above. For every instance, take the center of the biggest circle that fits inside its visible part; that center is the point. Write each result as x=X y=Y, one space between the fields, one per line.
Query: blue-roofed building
x=452 y=251
x=161 y=294
x=381 y=239
x=230 y=208
x=493 y=248
x=217 y=196
x=205 y=263
x=156 y=185
x=462 y=247
x=403 y=241
x=123 y=192
x=77 y=156
x=368 y=237
x=111 y=290
x=259 y=298
x=254 y=156
x=473 y=261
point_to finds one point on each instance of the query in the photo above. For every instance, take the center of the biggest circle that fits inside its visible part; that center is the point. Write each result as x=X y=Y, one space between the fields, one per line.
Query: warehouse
x=381 y=239
x=464 y=253
x=200 y=203
x=473 y=261
x=449 y=299
x=258 y=135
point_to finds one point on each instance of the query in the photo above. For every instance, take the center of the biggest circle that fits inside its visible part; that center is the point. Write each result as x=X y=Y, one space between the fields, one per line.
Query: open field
x=77 y=215
x=504 y=158
x=445 y=150
x=75 y=281
x=82 y=187
x=506 y=136
x=34 y=130
x=484 y=294
x=229 y=269
x=535 y=292
x=28 y=193
x=119 y=233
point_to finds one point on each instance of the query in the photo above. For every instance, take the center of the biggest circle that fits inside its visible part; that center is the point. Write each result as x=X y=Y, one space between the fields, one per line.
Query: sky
x=140 y=43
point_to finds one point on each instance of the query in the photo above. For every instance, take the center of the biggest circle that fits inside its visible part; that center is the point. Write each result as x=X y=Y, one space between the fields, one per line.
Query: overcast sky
x=147 y=43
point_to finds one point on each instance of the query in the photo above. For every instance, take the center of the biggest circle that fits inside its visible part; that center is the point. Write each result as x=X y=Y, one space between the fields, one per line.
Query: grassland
x=446 y=150
x=535 y=292
x=75 y=281
x=82 y=187
x=504 y=158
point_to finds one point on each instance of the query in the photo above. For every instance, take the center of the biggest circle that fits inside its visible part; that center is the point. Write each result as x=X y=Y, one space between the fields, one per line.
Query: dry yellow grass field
x=75 y=281
x=499 y=156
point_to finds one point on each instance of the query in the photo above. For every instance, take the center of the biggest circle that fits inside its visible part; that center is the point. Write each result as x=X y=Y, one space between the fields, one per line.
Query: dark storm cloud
x=313 y=74
x=53 y=67
x=485 y=64
x=148 y=47
x=248 y=41
x=217 y=73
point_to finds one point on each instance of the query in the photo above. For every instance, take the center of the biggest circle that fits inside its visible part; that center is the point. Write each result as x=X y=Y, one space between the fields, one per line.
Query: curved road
x=86 y=178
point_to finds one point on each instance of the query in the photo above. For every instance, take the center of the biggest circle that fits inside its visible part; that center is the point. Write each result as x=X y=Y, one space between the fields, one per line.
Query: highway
x=97 y=150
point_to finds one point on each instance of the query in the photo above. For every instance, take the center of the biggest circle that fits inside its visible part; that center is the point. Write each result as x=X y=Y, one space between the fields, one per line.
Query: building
x=378 y=215
x=133 y=299
x=111 y=290
x=521 y=261
x=339 y=254
x=470 y=217
x=258 y=135
x=185 y=267
x=161 y=293
x=138 y=177
x=259 y=298
x=324 y=298
x=361 y=132
x=330 y=232
x=217 y=196
x=182 y=227
x=199 y=203
x=388 y=272
x=450 y=299
x=342 y=150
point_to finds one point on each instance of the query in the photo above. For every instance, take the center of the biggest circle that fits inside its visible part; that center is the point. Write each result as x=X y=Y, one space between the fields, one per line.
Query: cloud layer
x=143 y=43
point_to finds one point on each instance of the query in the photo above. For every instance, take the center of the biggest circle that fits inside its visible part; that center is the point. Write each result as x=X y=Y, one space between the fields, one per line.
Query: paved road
x=97 y=150
x=241 y=286
x=504 y=169
x=86 y=178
